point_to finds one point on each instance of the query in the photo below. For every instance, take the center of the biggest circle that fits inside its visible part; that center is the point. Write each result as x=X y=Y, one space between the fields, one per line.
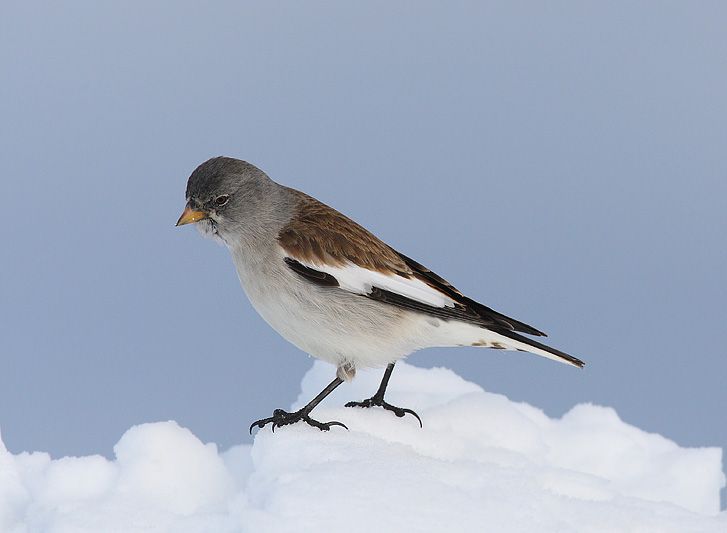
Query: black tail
x=540 y=347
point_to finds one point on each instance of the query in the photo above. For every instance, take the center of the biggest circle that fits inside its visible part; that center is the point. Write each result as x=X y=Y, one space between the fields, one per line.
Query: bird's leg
x=284 y=418
x=378 y=399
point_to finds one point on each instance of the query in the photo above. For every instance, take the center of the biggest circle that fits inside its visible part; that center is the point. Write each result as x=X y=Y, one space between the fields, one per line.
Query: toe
x=401 y=412
x=362 y=403
x=260 y=423
x=409 y=411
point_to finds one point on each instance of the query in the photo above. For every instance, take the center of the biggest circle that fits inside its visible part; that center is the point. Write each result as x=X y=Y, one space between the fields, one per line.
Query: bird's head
x=224 y=196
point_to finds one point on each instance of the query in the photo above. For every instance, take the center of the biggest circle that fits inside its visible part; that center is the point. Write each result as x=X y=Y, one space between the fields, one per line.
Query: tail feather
x=520 y=342
x=458 y=333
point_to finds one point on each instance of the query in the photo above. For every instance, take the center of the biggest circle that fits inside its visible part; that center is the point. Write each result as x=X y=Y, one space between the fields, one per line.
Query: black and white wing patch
x=312 y=275
x=415 y=293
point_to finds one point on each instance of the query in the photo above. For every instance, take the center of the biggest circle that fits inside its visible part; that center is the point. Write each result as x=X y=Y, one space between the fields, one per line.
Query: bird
x=335 y=290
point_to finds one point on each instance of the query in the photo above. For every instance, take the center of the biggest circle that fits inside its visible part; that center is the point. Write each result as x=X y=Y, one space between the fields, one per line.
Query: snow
x=481 y=463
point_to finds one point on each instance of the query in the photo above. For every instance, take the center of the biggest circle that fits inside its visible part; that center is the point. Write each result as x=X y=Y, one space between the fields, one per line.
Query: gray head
x=229 y=198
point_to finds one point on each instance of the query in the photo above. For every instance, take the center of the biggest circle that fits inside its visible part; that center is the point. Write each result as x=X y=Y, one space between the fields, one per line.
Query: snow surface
x=481 y=463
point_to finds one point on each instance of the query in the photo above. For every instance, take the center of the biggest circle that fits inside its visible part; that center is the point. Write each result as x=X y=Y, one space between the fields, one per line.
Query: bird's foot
x=378 y=401
x=284 y=418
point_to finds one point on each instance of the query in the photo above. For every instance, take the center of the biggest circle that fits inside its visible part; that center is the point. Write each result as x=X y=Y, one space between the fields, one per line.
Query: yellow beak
x=190 y=215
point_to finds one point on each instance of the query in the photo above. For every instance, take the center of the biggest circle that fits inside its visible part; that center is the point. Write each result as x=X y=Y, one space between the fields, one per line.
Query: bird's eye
x=222 y=200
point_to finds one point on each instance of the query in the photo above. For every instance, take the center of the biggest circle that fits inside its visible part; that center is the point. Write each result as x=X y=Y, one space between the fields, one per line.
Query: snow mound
x=481 y=463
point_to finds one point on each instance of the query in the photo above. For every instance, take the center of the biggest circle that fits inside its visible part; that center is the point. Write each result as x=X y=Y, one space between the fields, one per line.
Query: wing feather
x=323 y=239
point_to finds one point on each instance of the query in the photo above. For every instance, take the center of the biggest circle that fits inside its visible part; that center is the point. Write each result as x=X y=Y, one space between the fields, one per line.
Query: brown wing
x=320 y=235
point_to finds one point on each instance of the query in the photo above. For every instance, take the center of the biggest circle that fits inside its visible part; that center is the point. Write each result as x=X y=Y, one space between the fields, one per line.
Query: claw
x=405 y=411
x=260 y=423
x=335 y=423
x=282 y=418
x=324 y=426
x=376 y=401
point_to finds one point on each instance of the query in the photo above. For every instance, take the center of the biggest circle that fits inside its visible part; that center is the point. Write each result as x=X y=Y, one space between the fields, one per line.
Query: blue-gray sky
x=564 y=163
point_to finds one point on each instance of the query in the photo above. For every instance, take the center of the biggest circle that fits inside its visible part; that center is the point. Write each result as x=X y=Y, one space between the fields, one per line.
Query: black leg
x=378 y=398
x=283 y=418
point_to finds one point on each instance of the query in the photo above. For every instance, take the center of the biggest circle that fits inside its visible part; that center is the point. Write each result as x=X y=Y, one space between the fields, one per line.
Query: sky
x=562 y=163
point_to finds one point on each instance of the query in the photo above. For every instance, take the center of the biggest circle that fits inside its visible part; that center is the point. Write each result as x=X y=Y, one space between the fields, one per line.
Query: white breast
x=336 y=325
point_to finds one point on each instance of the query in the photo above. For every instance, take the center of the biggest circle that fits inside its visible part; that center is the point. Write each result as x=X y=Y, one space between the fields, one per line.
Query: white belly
x=327 y=322
x=344 y=328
